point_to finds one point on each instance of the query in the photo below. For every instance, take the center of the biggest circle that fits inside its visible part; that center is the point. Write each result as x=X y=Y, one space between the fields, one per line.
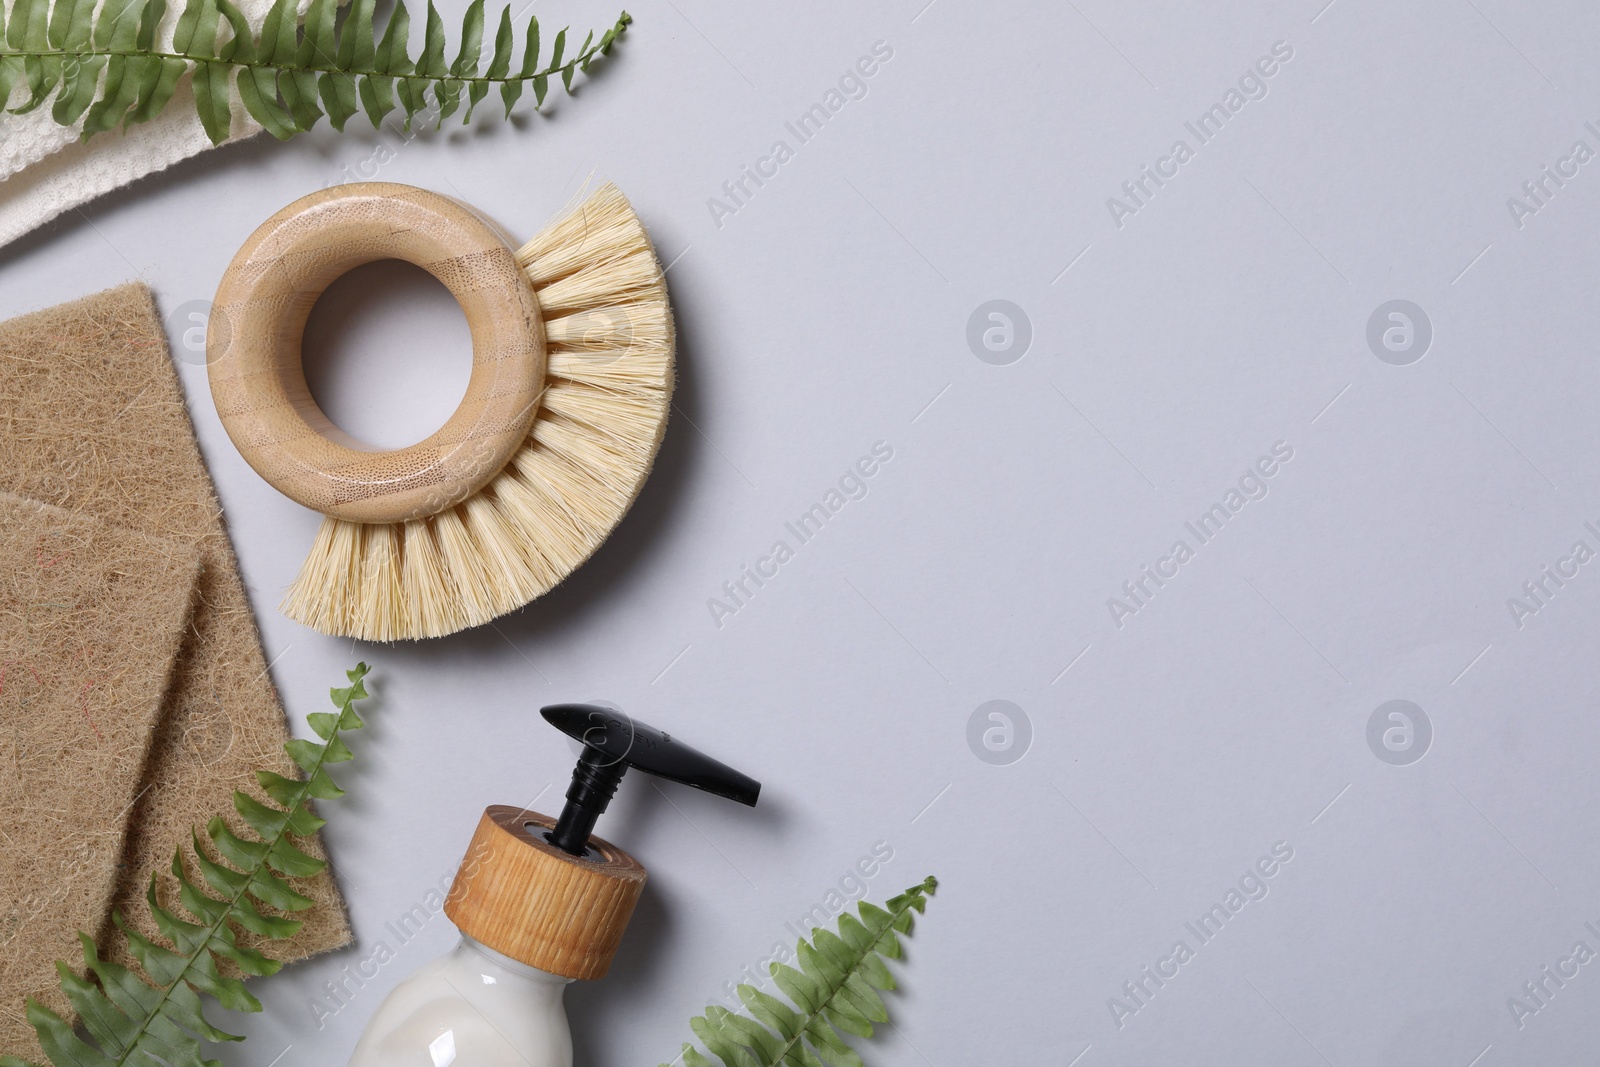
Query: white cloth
x=46 y=169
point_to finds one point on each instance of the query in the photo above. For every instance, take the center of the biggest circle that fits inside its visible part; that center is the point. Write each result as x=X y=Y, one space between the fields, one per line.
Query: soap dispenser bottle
x=539 y=902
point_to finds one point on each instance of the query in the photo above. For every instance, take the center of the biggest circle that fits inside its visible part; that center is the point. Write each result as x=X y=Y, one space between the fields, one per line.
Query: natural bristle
x=609 y=378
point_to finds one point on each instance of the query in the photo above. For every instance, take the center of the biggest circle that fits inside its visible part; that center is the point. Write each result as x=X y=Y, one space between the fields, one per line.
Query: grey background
x=1230 y=713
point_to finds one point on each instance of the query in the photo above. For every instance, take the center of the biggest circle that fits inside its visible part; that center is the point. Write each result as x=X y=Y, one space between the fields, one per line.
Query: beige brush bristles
x=608 y=388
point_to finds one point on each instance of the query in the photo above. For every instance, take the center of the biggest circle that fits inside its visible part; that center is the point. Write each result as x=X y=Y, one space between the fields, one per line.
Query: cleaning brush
x=566 y=408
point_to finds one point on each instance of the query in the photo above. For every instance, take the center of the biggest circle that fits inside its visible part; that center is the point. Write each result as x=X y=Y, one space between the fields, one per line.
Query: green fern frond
x=834 y=989
x=108 y=71
x=155 y=1017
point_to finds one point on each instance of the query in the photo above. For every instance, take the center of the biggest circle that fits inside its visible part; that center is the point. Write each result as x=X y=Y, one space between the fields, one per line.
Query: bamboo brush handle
x=253 y=351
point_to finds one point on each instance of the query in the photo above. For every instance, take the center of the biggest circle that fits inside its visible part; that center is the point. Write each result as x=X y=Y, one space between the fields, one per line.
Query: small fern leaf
x=834 y=991
x=153 y=1016
x=211 y=99
x=392 y=58
x=29 y=25
x=266 y=822
x=61 y=1045
x=149 y=23
x=319 y=46
x=187 y=936
x=299 y=91
x=431 y=63
x=691 y=1056
x=208 y=18
x=281 y=789
x=117 y=27
x=325 y=724
x=70 y=24
x=470 y=56
x=11 y=75
x=286 y=859
x=280 y=49
x=413 y=96
x=223 y=880
x=125 y=76
x=241 y=44
x=530 y=64
x=274 y=892
x=556 y=48
x=500 y=64
x=277 y=42
x=714 y=1032
x=338 y=93
x=356 y=48
x=258 y=91
x=79 y=82
x=233 y=848
x=184 y=31
x=42 y=74
x=586 y=55
x=252 y=920
x=108 y=1025
x=772 y=1012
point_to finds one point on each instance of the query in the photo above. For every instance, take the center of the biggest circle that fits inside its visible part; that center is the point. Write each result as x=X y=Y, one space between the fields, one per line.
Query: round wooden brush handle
x=259 y=315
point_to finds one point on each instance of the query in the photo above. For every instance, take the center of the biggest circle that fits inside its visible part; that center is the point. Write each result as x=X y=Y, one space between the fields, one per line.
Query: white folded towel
x=46 y=169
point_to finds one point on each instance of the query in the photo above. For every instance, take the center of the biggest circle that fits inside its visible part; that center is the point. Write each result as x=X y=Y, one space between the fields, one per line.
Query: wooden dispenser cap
x=523 y=897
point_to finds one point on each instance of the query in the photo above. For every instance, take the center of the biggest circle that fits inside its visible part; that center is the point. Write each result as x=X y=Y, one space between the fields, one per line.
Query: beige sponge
x=91 y=619
x=93 y=420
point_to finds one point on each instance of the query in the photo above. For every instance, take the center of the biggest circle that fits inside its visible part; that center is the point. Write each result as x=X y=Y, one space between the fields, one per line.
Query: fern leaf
x=556 y=64
x=467 y=60
x=78 y=84
x=11 y=74
x=499 y=66
x=431 y=63
x=204 y=16
x=278 y=25
x=258 y=91
x=241 y=44
x=319 y=46
x=287 y=76
x=149 y=22
x=124 y=75
x=183 y=31
x=355 y=51
x=429 y=66
x=258 y=85
x=134 y=1019
x=28 y=25
x=280 y=46
x=70 y=23
x=43 y=74
x=116 y=29
x=833 y=989
x=316 y=47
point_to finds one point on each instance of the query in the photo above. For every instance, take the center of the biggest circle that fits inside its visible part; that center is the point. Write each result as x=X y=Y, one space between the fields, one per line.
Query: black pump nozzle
x=613 y=742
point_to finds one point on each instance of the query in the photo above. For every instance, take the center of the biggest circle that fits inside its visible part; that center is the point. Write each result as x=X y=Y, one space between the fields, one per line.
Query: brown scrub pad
x=91 y=619
x=92 y=418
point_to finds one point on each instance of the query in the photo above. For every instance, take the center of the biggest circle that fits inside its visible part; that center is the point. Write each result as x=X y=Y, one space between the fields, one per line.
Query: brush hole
x=387 y=353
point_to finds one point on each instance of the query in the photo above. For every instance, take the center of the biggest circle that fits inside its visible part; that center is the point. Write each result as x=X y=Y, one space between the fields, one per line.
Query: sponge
x=92 y=621
x=93 y=420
